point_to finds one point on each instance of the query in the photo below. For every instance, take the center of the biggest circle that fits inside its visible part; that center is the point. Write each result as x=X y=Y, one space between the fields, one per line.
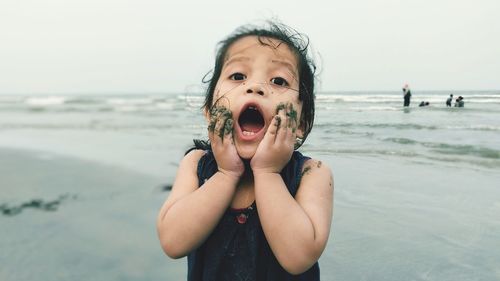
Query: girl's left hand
x=220 y=133
x=276 y=148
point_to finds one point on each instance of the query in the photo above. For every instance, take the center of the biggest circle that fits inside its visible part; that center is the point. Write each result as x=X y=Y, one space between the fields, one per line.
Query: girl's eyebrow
x=286 y=64
x=236 y=59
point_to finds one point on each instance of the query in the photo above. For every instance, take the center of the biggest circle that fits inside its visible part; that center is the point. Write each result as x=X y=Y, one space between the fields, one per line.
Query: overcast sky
x=122 y=46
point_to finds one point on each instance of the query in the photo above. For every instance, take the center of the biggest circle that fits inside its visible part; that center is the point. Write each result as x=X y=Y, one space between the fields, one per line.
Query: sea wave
x=99 y=104
x=479 y=127
x=422 y=157
x=97 y=126
x=193 y=101
x=454 y=149
x=408 y=126
x=398 y=98
x=45 y=101
x=399 y=126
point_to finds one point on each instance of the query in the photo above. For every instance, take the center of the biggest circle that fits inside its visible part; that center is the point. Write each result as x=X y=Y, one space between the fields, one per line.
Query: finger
x=214 y=113
x=290 y=138
x=228 y=131
x=292 y=122
x=211 y=128
x=218 y=114
x=219 y=128
x=272 y=130
x=287 y=113
x=282 y=130
x=293 y=117
x=214 y=118
x=281 y=107
x=227 y=123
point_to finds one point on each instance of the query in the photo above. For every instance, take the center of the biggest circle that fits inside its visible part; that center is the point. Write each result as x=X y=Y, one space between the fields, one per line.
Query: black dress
x=237 y=248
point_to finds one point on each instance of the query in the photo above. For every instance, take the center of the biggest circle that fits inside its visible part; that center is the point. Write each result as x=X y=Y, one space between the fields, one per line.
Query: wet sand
x=395 y=219
x=67 y=219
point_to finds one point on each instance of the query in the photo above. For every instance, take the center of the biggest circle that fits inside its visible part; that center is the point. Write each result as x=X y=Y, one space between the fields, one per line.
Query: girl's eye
x=237 y=76
x=279 y=81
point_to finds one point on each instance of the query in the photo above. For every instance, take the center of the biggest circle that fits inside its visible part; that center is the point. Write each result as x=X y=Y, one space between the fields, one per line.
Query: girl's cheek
x=217 y=93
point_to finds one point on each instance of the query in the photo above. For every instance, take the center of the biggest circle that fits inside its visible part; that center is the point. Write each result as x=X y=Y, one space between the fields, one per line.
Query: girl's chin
x=246 y=153
x=246 y=156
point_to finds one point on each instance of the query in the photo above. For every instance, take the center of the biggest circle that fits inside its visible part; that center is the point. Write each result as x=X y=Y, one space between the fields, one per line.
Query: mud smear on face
x=224 y=115
x=290 y=113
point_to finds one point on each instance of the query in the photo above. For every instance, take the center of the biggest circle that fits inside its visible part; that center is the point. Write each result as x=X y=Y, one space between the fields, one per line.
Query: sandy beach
x=102 y=227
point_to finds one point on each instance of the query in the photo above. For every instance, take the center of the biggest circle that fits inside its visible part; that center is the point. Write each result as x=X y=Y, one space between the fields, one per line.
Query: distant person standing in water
x=459 y=102
x=406 y=95
x=448 y=101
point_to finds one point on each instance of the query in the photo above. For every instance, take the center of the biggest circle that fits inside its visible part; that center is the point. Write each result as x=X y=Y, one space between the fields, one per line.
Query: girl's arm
x=296 y=229
x=190 y=213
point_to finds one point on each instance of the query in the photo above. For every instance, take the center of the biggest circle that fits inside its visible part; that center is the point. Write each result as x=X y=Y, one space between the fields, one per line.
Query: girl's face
x=255 y=80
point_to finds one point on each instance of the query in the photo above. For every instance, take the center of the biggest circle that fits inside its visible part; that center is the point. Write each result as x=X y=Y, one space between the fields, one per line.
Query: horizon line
x=183 y=92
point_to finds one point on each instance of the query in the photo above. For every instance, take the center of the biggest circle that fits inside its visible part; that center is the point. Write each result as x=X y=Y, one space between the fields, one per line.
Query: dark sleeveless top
x=237 y=248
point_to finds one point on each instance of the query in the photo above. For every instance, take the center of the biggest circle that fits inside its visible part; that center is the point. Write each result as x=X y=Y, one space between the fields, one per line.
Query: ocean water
x=417 y=192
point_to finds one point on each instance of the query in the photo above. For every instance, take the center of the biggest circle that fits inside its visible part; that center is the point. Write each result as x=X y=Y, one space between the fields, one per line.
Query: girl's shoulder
x=192 y=158
x=194 y=155
x=316 y=168
x=315 y=191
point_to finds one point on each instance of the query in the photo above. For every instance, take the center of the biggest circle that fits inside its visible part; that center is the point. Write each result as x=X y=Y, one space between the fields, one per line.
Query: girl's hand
x=276 y=148
x=220 y=133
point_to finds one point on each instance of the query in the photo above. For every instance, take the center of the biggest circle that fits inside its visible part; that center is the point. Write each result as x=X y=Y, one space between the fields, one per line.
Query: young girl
x=246 y=205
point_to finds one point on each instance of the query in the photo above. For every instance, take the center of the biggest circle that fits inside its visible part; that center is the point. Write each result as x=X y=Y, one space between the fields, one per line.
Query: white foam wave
x=375 y=108
x=357 y=98
x=45 y=101
x=380 y=98
x=478 y=127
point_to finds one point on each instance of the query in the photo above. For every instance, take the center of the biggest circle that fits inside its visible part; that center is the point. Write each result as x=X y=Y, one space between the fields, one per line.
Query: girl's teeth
x=246 y=133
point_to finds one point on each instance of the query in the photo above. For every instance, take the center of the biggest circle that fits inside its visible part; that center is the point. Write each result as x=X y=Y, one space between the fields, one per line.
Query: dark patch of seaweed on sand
x=39 y=204
x=166 y=187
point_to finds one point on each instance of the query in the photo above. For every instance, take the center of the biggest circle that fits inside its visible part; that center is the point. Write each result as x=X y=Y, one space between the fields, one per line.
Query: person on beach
x=246 y=205
x=449 y=100
x=424 y=103
x=406 y=95
x=459 y=102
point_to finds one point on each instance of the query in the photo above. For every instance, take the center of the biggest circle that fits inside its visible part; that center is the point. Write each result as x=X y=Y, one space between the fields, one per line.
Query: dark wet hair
x=298 y=44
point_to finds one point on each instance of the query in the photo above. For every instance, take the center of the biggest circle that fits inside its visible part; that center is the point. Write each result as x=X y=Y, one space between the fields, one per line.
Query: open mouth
x=251 y=121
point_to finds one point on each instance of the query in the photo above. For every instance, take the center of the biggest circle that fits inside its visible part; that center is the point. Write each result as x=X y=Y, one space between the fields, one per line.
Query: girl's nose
x=257 y=88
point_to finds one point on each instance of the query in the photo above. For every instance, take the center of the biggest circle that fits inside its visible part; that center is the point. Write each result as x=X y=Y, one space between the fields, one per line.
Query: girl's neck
x=247 y=176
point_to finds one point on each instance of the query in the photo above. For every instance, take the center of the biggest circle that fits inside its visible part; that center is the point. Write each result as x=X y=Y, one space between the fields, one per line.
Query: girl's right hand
x=220 y=133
